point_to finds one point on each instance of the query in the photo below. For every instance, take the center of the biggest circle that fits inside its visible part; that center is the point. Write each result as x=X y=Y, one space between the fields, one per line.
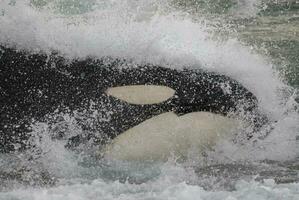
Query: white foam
x=160 y=39
x=150 y=31
x=98 y=189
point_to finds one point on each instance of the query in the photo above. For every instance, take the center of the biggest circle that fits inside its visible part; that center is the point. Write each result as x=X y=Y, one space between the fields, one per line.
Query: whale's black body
x=32 y=86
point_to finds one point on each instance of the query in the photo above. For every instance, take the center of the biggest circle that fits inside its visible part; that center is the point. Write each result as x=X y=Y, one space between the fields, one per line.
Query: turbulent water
x=254 y=42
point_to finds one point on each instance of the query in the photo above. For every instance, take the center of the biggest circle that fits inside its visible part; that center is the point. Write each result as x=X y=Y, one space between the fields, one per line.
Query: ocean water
x=255 y=42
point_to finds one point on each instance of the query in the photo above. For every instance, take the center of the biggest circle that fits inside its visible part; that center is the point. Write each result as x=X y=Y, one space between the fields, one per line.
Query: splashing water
x=167 y=33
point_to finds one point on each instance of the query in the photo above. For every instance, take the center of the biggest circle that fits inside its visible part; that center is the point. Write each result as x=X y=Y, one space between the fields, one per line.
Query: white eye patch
x=141 y=94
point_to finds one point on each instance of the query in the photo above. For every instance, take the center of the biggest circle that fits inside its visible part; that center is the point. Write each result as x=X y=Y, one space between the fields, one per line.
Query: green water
x=67 y=7
x=275 y=32
x=270 y=27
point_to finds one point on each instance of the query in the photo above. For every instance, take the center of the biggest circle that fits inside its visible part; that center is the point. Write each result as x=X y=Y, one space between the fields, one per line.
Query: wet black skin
x=32 y=86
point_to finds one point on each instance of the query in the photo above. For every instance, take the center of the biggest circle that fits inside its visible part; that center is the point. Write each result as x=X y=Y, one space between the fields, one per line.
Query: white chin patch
x=167 y=134
x=141 y=94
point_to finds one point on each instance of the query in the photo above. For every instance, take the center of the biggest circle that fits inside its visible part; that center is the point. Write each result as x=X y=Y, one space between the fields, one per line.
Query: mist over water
x=204 y=34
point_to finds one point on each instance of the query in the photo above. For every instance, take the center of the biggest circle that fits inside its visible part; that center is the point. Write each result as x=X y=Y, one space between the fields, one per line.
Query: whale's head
x=148 y=105
x=164 y=112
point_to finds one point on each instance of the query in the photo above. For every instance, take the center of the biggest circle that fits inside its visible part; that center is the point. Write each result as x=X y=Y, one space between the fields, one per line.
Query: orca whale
x=34 y=85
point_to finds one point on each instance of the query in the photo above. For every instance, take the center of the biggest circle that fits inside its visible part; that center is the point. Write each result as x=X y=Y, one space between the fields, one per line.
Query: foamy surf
x=148 y=32
x=101 y=190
